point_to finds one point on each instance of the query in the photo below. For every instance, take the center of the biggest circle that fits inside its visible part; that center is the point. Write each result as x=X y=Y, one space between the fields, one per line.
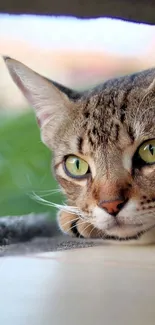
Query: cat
x=103 y=144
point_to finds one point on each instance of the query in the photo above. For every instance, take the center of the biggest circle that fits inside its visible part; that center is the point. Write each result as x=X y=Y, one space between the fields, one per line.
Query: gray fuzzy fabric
x=34 y=234
x=23 y=228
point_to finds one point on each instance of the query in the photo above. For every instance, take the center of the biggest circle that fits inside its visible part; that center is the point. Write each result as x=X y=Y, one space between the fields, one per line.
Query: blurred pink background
x=73 y=57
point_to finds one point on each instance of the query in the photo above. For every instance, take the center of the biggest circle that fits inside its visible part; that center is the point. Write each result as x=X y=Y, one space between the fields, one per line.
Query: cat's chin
x=131 y=234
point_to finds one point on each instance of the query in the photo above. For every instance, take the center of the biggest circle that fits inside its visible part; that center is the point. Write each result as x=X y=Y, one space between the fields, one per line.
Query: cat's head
x=103 y=143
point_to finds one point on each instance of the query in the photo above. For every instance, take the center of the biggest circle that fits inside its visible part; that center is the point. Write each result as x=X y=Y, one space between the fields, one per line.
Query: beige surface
x=100 y=285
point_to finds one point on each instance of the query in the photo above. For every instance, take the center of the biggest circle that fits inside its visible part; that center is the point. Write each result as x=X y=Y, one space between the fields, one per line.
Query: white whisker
x=45 y=193
x=88 y=225
x=92 y=230
x=67 y=208
x=81 y=223
x=69 y=221
x=50 y=191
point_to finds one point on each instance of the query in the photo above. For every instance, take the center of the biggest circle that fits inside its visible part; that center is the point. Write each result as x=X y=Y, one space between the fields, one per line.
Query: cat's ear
x=52 y=102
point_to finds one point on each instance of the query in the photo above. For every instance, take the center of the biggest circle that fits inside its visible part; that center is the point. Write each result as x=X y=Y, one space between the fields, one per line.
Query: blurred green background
x=24 y=167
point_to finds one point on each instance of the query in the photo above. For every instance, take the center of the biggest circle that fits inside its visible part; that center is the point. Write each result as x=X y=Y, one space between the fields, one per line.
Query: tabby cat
x=103 y=144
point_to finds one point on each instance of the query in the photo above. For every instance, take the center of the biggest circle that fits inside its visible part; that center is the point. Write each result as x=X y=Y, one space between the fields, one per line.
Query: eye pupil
x=151 y=148
x=77 y=164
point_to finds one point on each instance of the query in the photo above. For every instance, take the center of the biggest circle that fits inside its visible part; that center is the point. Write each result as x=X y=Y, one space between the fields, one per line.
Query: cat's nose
x=113 y=206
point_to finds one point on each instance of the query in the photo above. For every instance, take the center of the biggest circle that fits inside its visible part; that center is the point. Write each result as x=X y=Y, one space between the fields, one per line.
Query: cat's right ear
x=52 y=105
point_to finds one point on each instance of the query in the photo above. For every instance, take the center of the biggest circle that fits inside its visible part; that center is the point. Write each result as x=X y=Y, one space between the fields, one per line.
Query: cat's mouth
x=123 y=226
x=124 y=231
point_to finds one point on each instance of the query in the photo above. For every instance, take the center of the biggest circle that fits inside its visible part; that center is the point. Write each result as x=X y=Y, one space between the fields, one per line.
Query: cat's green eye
x=147 y=151
x=76 y=167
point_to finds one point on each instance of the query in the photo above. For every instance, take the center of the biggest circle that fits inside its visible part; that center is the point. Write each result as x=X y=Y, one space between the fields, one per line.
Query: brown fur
x=104 y=126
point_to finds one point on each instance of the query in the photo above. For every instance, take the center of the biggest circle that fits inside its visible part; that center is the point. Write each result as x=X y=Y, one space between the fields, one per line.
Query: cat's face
x=103 y=144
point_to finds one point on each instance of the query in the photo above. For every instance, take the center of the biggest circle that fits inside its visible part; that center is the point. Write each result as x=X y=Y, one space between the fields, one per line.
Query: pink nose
x=112 y=207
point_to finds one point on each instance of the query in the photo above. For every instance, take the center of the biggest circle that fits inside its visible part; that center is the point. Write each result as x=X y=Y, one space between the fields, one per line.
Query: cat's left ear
x=52 y=102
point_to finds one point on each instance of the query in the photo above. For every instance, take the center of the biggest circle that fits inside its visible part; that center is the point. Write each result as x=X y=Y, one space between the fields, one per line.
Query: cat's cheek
x=65 y=222
x=87 y=230
x=71 y=190
x=72 y=225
